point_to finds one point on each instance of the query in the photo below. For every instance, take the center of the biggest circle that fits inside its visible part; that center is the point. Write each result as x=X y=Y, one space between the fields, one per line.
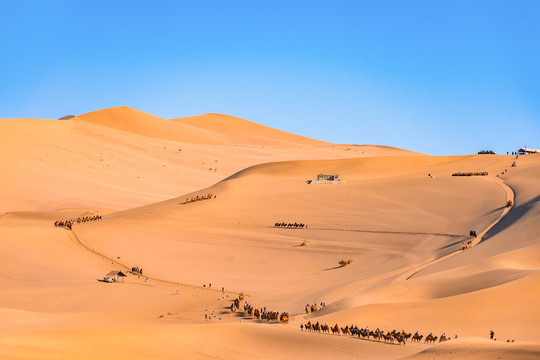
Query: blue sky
x=440 y=77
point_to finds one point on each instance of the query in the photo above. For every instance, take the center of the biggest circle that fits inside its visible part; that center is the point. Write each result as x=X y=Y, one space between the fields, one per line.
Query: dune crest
x=198 y=205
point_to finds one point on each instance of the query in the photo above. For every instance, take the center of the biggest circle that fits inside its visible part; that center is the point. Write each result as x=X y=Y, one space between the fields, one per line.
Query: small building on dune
x=326 y=179
x=332 y=177
x=529 y=151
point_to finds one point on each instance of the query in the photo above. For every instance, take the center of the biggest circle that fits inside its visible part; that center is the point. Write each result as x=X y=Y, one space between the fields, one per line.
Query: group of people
x=492 y=336
x=68 y=224
x=198 y=198
x=260 y=313
x=136 y=270
x=365 y=333
x=290 y=225
x=478 y=173
x=314 y=307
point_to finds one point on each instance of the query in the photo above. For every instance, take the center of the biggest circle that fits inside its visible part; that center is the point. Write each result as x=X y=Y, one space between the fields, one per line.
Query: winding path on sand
x=509 y=197
x=403 y=276
x=76 y=239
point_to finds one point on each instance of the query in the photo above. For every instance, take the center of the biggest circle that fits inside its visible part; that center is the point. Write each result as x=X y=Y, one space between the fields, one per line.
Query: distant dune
x=194 y=202
x=124 y=157
x=246 y=130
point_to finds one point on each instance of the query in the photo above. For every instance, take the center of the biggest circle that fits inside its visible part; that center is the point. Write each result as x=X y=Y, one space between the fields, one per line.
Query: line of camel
x=68 y=224
x=389 y=337
x=294 y=225
x=261 y=313
x=478 y=173
x=199 y=198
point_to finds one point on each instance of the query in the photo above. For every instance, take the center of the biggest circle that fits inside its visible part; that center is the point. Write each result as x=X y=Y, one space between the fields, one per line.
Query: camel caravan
x=199 y=198
x=294 y=225
x=314 y=307
x=352 y=330
x=259 y=314
x=481 y=173
x=468 y=244
x=366 y=334
x=68 y=224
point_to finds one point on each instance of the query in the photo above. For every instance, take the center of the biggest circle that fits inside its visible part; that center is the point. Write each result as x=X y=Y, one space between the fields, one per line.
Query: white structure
x=529 y=151
x=326 y=179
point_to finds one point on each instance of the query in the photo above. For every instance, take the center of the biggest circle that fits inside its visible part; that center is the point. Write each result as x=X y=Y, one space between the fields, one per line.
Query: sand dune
x=138 y=122
x=402 y=228
x=121 y=158
x=245 y=129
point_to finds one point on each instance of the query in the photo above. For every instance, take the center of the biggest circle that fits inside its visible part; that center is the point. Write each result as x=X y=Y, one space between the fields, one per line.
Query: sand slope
x=402 y=228
x=119 y=158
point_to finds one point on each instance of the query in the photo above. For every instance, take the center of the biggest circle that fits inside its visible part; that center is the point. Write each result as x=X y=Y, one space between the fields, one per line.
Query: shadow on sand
x=334 y=268
x=514 y=214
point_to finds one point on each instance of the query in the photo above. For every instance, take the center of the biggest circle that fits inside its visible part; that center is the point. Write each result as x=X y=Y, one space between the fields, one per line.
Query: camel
x=417 y=337
x=467 y=245
x=335 y=329
x=388 y=338
x=325 y=328
x=430 y=338
x=345 y=330
x=400 y=338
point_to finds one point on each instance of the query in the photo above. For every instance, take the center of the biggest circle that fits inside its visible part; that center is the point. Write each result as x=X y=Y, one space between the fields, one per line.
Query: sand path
x=78 y=241
x=509 y=197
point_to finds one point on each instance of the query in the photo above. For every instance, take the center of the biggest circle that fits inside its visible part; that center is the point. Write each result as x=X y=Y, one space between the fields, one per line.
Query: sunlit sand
x=196 y=203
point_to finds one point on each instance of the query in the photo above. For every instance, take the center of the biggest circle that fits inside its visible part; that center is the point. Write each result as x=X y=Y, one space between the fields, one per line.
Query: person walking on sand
x=491 y=334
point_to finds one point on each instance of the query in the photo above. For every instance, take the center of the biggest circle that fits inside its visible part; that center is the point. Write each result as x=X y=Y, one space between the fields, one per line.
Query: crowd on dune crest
x=400 y=336
x=68 y=224
x=482 y=173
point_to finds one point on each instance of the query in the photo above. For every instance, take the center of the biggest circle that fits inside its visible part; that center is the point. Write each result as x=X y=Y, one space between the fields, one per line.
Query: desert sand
x=400 y=216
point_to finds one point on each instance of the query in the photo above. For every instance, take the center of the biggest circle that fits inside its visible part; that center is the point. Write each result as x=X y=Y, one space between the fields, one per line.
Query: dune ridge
x=400 y=216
